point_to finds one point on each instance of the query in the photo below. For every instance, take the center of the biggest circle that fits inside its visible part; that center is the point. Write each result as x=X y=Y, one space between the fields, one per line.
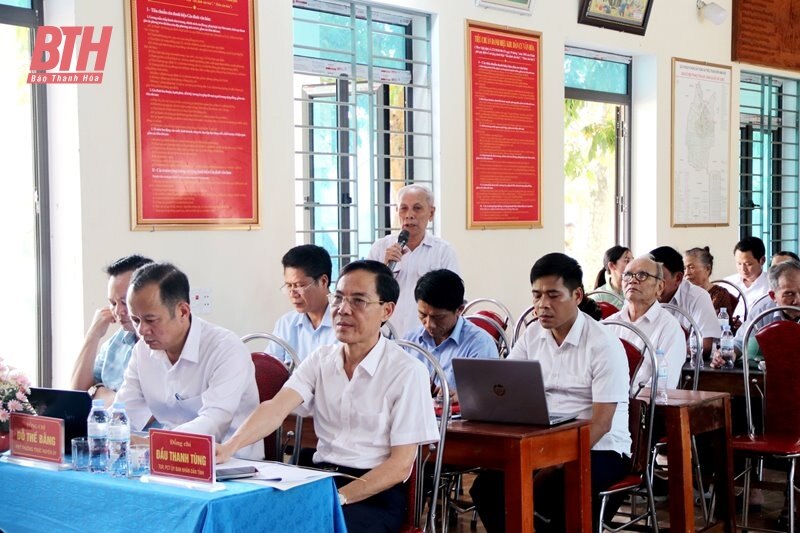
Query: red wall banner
x=503 y=127
x=194 y=139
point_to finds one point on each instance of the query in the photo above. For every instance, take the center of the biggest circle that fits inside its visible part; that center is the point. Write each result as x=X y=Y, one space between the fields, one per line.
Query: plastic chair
x=268 y=379
x=504 y=319
x=781 y=434
x=640 y=423
x=607 y=309
x=620 y=301
x=741 y=298
x=415 y=489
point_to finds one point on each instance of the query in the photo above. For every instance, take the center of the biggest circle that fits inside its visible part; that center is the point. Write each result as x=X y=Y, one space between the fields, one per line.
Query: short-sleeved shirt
x=211 y=389
x=697 y=302
x=433 y=253
x=297 y=330
x=589 y=367
x=466 y=340
x=756 y=290
x=357 y=421
x=112 y=359
x=665 y=334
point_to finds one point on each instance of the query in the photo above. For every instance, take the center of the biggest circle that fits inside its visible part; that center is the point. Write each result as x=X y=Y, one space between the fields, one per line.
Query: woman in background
x=615 y=260
x=699 y=263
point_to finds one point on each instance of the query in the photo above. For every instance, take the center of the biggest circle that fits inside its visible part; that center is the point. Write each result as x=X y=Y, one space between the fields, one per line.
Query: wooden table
x=689 y=413
x=723 y=380
x=519 y=451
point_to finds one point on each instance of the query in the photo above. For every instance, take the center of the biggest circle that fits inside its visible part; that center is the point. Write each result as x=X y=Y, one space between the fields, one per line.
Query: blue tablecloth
x=42 y=500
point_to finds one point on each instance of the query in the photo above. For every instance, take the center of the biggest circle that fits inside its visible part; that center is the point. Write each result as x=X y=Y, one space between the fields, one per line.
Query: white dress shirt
x=211 y=389
x=357 y=421
x=297 y=330
x=697 y=302
x=589 y=367
x=756 y=290
x=433 y=253
x=665 y=334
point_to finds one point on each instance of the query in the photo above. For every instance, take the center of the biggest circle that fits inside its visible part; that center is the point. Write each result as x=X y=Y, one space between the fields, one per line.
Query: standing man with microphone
x=413 y=252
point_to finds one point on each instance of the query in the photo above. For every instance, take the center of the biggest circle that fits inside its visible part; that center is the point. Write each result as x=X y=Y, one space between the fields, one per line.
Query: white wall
x=243 y=267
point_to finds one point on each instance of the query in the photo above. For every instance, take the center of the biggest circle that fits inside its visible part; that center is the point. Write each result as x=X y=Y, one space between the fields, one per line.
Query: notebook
x=72 y=406
x=499 y=390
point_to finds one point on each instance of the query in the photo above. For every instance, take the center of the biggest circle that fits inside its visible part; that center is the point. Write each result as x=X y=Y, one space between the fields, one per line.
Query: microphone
x=402 y=240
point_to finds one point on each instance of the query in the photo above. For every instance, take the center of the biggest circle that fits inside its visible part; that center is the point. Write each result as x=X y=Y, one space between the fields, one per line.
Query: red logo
x=54 y=49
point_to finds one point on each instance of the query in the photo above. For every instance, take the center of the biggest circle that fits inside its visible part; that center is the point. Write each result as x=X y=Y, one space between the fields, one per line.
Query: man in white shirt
x=750 y=276
x=585 y=370
x=185 y=373
x=693 y=299
x=307 y=277
x=422 y=253
x=370 y=400
x=642 y=282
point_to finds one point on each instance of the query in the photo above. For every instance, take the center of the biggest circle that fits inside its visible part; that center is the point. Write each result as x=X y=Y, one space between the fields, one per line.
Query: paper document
x=278 y=475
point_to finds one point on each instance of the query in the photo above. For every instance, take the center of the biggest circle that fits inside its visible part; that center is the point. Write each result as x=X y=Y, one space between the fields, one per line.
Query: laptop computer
x=72 y=406
x=498 y=390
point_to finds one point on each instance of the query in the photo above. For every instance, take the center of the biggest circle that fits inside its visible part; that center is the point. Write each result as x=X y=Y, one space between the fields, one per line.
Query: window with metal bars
x=768 y=161
x=363 y=120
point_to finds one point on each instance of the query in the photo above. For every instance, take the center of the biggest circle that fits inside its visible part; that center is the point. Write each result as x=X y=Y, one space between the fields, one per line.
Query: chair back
x=437 y=470
x=618 y=302
x=507 y=322
x=635 y=359
x=524 y=320
x=494 y=328
x=641 y=412
x=693 y=330
x=266 y=372
x=740 y=298
x=770 y=340
x=778 y=343
x=607 y=309
x=389 y=331
x=271 y=374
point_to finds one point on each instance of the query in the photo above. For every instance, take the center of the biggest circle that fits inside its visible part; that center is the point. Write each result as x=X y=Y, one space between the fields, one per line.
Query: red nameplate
x=182 y=455
x=37 y=437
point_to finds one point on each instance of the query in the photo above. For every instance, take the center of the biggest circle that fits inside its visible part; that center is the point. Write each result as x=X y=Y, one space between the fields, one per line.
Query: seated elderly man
x=444 y=332
x=307 y=277
x=585 y=371
x=642 y=283
x=371 y=403
x=100 y=371
x=784 y=283
x=693 y=299
x=185 y=373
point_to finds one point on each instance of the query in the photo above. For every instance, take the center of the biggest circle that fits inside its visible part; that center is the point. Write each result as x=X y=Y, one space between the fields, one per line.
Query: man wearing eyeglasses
x=688 y=296
x=307 y=276
x=370 y=400
x=642 y=284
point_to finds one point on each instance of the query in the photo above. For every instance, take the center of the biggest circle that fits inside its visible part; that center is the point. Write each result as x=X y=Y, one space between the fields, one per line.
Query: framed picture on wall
x=622 y=15
x=522 y=7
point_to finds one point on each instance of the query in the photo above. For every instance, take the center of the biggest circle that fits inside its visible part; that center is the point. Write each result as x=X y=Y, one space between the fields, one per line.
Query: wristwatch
x=93 y=389
x=342 y=499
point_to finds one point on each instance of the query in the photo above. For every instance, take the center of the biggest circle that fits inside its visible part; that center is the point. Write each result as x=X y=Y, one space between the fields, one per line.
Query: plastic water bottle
x=663 y=376
x=694 y=357
x=723 y=318
x=726 y=347
x=119 y=439
x=98 y=436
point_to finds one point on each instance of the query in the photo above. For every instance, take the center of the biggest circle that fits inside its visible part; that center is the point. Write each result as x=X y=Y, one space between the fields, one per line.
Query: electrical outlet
x=201 y=300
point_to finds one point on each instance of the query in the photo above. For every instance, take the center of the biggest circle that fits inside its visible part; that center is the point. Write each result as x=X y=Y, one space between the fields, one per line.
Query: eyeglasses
x=299 y=288
x=355 y=302
x=640 y=276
